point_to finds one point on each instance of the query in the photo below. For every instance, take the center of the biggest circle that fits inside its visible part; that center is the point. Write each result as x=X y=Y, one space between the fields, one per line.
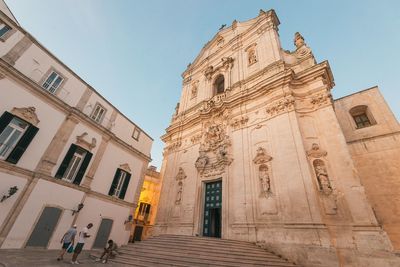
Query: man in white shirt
x=81 y=241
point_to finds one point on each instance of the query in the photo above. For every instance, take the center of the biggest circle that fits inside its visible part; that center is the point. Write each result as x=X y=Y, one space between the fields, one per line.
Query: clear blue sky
x=133 y=52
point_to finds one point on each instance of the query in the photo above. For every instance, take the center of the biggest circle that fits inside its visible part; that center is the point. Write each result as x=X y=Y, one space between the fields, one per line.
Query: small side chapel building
x=258 y=150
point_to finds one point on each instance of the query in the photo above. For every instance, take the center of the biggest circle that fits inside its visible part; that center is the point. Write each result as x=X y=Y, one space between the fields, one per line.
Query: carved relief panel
x=214 y=147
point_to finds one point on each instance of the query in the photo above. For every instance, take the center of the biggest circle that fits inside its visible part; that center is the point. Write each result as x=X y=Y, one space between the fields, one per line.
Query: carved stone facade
x=273 y=141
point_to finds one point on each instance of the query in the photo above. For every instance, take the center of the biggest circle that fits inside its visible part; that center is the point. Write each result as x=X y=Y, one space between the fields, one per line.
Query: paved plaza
x=44 y=258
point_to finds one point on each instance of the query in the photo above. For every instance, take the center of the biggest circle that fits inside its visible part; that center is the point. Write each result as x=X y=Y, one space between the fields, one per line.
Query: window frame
x=13 y=131
x=11 y=30
x=217 y=83
x=79 y=153
x=120 y=184
x=51 y=84
x=358 y=114
x=138 y=131
x=102 y=116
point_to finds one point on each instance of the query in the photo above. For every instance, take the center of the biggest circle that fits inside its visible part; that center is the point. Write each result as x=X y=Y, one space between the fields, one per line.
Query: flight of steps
x=189 y=251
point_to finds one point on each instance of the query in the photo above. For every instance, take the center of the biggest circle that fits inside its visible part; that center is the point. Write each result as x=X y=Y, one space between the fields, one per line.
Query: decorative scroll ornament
x=209 y=72
x=80 y=140
x=28 y=114
x=278 y=107
x=239 y=123
x=316 y=152
x=321 y=99
x=262 y=157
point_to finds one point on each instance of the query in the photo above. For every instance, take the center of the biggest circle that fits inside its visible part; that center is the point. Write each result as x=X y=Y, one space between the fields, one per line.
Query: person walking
x=81 y=241
x=67 y=240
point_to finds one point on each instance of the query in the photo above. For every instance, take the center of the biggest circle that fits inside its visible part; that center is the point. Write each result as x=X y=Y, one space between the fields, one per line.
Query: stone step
x=195 y=261
x=200 y=238
x=215 y=256
x=190 y=251
x=210 y=247
x=203 y=241
x=197 y=250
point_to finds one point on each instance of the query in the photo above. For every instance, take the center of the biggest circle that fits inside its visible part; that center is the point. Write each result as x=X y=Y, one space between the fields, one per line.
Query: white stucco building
x=62 y=147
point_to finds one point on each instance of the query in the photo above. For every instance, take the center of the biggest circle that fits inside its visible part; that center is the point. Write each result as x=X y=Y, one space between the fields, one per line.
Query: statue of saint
x=264 y=180
x=323 y=179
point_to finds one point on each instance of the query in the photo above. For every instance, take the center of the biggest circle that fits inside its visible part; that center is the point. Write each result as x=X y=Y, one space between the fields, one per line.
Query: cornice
x=10 y=71
x=29 y=175
x=286 y=76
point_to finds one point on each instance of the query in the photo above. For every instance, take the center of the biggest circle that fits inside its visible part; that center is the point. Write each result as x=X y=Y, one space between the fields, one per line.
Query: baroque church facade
x=259 y=151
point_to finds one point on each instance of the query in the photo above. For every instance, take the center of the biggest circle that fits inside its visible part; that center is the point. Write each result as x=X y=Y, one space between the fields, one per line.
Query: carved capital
x=281 y=106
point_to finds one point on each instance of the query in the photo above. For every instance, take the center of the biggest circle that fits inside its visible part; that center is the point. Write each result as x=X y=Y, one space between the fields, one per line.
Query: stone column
x=96 y=161
x=53 y=151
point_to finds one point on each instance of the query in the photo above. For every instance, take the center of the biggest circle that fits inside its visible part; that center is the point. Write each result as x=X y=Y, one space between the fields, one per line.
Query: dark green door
x=212 y=209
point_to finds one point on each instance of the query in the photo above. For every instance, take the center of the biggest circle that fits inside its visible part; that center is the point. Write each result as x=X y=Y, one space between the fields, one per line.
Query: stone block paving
x=44 y=258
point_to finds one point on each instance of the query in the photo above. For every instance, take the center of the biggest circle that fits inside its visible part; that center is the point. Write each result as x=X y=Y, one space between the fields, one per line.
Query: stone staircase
x=189 y=251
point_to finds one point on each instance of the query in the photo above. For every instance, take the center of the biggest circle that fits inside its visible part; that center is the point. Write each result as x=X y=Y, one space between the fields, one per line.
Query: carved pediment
x=81 y=141
x=28 y=114
x=262 y=156
x=125 y=167
x=316 y=151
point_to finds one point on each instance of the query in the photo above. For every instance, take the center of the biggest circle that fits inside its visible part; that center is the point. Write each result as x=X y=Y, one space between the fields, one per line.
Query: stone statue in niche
x=251 y=57
x=265 y=182
x=194 y=91
x=322 y=177
x=179 y=193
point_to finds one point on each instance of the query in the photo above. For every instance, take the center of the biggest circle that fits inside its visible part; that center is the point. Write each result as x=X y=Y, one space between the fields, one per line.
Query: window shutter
x=64 y=164
x=22 y=144
x=114 y=182
x=125 y=186
x=5 y=120
x=82 y=169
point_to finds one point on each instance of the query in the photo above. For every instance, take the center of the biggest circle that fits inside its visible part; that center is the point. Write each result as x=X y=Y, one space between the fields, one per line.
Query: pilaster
x=53 y=151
